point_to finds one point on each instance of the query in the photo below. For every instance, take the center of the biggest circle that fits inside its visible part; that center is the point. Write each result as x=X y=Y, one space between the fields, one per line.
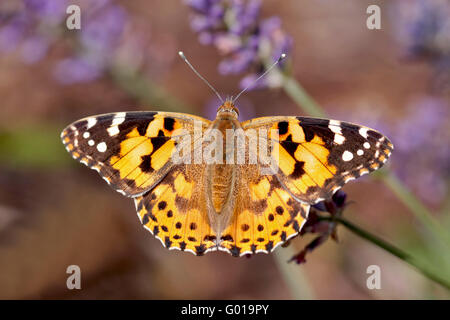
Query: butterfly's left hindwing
x=318 y=156
x=130 y=150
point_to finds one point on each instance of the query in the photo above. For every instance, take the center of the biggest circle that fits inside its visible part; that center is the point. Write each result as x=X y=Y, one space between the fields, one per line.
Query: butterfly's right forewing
x=131 y=150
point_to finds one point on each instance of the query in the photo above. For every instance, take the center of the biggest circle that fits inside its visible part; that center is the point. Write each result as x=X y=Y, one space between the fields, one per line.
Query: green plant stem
x=312 y=108
x=294 y=277
x=419 y=265
x=302 y=98
x=413 y=204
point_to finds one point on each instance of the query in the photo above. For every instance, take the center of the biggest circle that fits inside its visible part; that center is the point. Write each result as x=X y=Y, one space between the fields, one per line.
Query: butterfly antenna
x=283 y=55
x=181 y=54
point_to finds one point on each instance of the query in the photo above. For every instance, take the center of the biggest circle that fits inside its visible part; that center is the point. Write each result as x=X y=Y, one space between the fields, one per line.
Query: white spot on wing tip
x=363 y=132
x=339 y=139
x=347 y=156
x=112 y=131
x=91 y=122
x=101 y=147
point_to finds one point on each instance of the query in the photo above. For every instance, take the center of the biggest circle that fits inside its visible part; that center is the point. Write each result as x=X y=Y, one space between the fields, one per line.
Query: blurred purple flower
x=34 y=49
x=422 y=154
x=99 y=39
x=102 y=33
x=234 y=27
x=53 y=12
x=12 y=32
x=75 y=70
x=27 y=29
x=423 y=27
x=38 y=24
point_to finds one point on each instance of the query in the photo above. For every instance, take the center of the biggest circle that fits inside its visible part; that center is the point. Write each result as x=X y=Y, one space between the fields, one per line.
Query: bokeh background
x=54 y=212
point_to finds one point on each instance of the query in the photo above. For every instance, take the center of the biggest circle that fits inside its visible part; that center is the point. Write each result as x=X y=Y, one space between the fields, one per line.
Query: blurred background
x=55 y=212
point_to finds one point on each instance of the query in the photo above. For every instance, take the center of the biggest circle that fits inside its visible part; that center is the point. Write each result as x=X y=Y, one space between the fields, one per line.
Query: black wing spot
x=169 y=124
x=283 y=127
x=162 y=205
x=269 y=246
x=296 y=226
x=146 y=164
x=289 y=146
x=200 y=250
x=309 y=133
x=298 y=170
x=227 y=237
x=209 y=237
x=145 y=219
x=157 y=142
x=142 y=128
x=235 y=251
x=167 y=242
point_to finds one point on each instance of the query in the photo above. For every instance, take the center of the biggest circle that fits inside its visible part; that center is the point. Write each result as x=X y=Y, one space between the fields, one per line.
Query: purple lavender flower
x=248 y=43
x=422 y=157
x=28 y=29
x=422 y=26
x=52 y=12
x=75 y=70
x=12 y=32
x=36 y=26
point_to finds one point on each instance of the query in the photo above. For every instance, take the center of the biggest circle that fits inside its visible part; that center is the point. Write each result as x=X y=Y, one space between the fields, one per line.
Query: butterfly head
x=228 y=109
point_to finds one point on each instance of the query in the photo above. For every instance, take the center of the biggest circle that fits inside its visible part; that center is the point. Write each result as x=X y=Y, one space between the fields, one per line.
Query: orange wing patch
x=175 y=216
x=261 y=224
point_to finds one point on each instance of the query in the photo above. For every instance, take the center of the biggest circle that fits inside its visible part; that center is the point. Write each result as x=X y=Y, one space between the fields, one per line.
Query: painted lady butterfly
x=202 y=207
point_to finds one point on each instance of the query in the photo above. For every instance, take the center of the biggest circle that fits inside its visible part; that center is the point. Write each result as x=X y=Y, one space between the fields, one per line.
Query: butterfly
x=238 y=207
